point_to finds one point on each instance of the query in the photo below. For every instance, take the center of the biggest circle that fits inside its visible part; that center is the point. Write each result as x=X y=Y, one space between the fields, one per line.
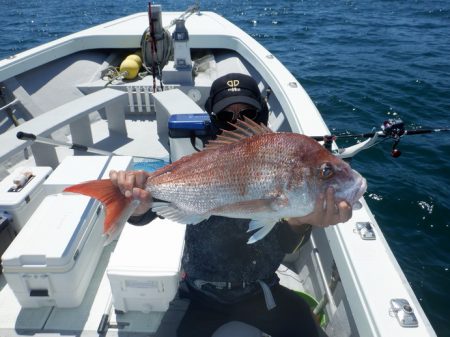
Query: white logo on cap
x=234 y=85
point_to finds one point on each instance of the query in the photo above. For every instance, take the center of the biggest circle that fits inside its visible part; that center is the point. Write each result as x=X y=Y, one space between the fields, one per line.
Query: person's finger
x=141 y=178
x=330 y=209
x=145 y=200
x=113 y=177
x=121 y=177
x=320 y=205
x=130 y=183
x=345 y=211
x=141 y=195
x=123 y=182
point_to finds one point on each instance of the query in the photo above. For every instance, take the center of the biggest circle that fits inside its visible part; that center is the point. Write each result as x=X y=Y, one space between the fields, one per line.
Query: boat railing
x=75 y=114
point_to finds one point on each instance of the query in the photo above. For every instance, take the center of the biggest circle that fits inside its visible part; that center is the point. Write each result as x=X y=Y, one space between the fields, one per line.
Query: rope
x=163 y=52
x=187 y=13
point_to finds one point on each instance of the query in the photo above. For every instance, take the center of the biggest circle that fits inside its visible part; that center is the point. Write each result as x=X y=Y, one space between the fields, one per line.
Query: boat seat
x=76 y=115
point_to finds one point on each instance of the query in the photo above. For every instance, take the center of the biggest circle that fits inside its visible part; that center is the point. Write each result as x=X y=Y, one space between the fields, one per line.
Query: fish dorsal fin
x=245 y=128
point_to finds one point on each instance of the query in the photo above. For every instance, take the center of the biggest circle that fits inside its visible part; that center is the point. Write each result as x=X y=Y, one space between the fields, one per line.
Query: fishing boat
x=74 y=108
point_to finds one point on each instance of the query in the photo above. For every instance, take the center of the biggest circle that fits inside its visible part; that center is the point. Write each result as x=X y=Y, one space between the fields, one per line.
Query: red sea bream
x=251 y=173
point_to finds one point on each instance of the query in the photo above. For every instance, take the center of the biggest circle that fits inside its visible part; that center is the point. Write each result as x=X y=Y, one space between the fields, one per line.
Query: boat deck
x=85 y=320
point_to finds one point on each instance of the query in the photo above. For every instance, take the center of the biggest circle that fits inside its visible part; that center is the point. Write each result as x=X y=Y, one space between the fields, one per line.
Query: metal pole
x=333 y=307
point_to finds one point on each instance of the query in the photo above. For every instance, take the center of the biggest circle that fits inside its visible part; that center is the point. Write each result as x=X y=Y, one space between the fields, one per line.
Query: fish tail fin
x=109 y=195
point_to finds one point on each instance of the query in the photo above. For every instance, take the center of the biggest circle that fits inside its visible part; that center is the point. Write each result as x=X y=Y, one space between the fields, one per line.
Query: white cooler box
x=19 y=203
x=51 y=261
x=144 y=269
x=77 y=169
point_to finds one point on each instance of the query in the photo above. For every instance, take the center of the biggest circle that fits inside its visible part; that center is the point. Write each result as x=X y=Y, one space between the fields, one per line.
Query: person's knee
x=237 y=329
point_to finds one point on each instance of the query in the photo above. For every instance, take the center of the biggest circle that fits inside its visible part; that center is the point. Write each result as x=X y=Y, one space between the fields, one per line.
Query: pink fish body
x=251 y=173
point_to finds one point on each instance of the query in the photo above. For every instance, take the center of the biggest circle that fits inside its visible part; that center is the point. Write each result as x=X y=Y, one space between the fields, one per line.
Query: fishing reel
x=394 y=128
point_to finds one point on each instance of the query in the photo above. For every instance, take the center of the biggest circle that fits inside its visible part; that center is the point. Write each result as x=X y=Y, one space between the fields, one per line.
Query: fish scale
x=235 y=170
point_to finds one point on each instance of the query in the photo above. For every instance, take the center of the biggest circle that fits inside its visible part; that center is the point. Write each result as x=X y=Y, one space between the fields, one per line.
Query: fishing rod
x=73 y=146
x=390 y=129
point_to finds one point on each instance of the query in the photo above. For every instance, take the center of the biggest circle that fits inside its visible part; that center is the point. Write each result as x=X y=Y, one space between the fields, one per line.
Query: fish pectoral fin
x=254 y=225
x=279 y=201
x=263 y=229
x=271 y=204
x=172 y=212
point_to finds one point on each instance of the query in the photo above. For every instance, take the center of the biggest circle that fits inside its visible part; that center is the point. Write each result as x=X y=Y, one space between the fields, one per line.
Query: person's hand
x=132 y=185
x=332 y=214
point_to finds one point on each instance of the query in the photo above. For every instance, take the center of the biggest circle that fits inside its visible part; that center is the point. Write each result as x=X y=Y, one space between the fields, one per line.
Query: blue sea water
x=362 y=62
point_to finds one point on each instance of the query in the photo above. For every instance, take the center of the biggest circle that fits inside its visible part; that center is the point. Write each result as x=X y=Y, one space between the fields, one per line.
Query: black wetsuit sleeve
x=289 y=239
x=143 y=219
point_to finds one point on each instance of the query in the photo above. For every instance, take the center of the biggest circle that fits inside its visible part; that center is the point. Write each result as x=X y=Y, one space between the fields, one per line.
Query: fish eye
x=326 y=170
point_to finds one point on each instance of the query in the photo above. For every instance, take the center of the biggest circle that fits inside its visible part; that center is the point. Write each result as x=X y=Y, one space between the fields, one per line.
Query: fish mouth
x=358 y=191
x=362 y=189
x=354 y=193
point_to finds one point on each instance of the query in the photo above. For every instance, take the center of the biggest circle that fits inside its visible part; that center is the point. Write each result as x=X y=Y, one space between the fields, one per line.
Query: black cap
x=233 y=88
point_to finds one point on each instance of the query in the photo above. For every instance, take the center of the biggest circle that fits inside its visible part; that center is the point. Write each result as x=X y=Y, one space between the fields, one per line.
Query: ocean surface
x=361 y=62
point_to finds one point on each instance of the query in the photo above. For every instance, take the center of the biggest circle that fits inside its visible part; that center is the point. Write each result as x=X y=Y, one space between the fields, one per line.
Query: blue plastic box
x=188 y=125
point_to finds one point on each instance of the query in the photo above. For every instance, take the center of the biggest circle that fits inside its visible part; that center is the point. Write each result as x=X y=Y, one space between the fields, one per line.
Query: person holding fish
x=226 y=278
x=253 y=196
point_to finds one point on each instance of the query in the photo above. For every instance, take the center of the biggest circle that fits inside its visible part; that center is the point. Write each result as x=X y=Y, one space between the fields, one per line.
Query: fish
x=251 y=172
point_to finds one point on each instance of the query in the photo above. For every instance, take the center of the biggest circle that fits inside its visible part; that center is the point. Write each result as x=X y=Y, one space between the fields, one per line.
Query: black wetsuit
x=216 y=251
